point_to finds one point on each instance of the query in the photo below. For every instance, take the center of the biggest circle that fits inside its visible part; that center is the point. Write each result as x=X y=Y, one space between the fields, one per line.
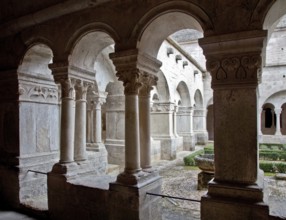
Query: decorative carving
x=37 y=93
x=130 y=79
x=81 y=89
x=148 y=81
x=243 y=69
x=163 y=107
x=68 y=90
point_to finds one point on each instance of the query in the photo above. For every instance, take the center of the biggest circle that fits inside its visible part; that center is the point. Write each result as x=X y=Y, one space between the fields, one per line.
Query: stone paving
x=181 y=182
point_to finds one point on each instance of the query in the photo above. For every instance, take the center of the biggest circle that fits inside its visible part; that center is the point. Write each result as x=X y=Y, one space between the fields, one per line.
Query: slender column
x=80 y=122
x=148 y=81
x=175 y=121
x=273 y=118
x=132 y=147
x=67 y=121
x=278 y=126
x=89 y=125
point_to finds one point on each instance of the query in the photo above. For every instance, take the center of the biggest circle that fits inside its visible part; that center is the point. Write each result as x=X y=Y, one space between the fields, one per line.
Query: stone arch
x=184 y=93
x=276 y=11
x=198 y=99
x=166 y=19
x=150 y=43
x=89 y=28
x=163 y=87
x=87 y=48
x=36 y=60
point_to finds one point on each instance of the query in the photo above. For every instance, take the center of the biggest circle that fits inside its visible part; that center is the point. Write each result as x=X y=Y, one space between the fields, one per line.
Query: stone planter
x=206 y=163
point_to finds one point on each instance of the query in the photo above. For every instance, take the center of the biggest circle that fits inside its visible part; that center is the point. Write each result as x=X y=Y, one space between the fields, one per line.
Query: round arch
x=163 y=88
x=198 y=99
x=166 y=19
x=87 y=48
x=184 y=93
x=89 y=28
x=273 y=16
x=36 y=60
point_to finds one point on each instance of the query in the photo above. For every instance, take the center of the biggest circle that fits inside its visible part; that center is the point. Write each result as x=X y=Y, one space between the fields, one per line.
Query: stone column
x=185 y=128
x=67 y=121
x=80 y=121
x=175 y=120
x=278 y=126
x=147 y=81
x=61 y=75
x=234 y=61
x=97 y=99
x=273 y=119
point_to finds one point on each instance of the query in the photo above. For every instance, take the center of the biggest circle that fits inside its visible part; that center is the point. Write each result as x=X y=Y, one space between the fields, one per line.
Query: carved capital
x=68 y=88
x=148 y=81
x=235 y=70
x=81 y=88
x=131 y=82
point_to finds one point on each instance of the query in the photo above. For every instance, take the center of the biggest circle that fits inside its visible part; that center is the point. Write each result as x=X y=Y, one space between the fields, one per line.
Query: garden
x=272 y=157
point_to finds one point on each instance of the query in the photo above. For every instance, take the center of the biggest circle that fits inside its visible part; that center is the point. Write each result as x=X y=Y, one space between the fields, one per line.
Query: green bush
x=269 y=155
x=209 y=149
x=266 y=167
x=189 y=160
x=280 y=167
x=282 y=156
x=272 y=167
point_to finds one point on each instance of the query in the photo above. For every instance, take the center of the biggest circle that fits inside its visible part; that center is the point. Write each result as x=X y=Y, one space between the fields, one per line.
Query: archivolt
x=92 y=27
x=173 y=6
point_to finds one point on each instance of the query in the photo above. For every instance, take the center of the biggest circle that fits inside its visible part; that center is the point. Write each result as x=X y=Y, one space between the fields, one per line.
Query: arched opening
x=90 y=56
x=268 y=119
x=39 y=124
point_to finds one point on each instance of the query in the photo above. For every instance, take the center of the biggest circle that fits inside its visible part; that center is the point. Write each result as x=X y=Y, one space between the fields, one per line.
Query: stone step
x=113 y=169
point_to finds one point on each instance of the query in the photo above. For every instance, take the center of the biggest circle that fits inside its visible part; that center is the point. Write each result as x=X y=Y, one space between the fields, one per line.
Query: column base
x=138 y=179
x=132 y=202
x=94 y=146
x=220 y=208
x=234 y=201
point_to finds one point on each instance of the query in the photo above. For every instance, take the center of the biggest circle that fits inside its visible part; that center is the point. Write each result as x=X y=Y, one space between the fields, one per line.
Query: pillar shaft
x=147 y=80
x=97 y=123
x=80 y=122
x=278 y=126
x=67 y=122
x=234 y=72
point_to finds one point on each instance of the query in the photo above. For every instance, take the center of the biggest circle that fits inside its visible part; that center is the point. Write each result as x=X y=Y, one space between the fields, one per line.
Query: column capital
x=148 y=81
x=234 y=59
x=278 y=111
x=131 y=66
x=81 y=87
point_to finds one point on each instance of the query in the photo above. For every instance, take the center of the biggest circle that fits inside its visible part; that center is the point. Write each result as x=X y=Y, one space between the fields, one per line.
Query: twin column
x=73 y=121
x=73 y=113
x=137 y=83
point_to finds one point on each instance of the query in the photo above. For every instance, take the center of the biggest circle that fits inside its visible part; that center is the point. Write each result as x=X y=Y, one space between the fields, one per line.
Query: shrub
x=280 y=167
x=266 y=167
x=189 y=160
x=283 y=156
x=269 y=155
x=209 y=149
